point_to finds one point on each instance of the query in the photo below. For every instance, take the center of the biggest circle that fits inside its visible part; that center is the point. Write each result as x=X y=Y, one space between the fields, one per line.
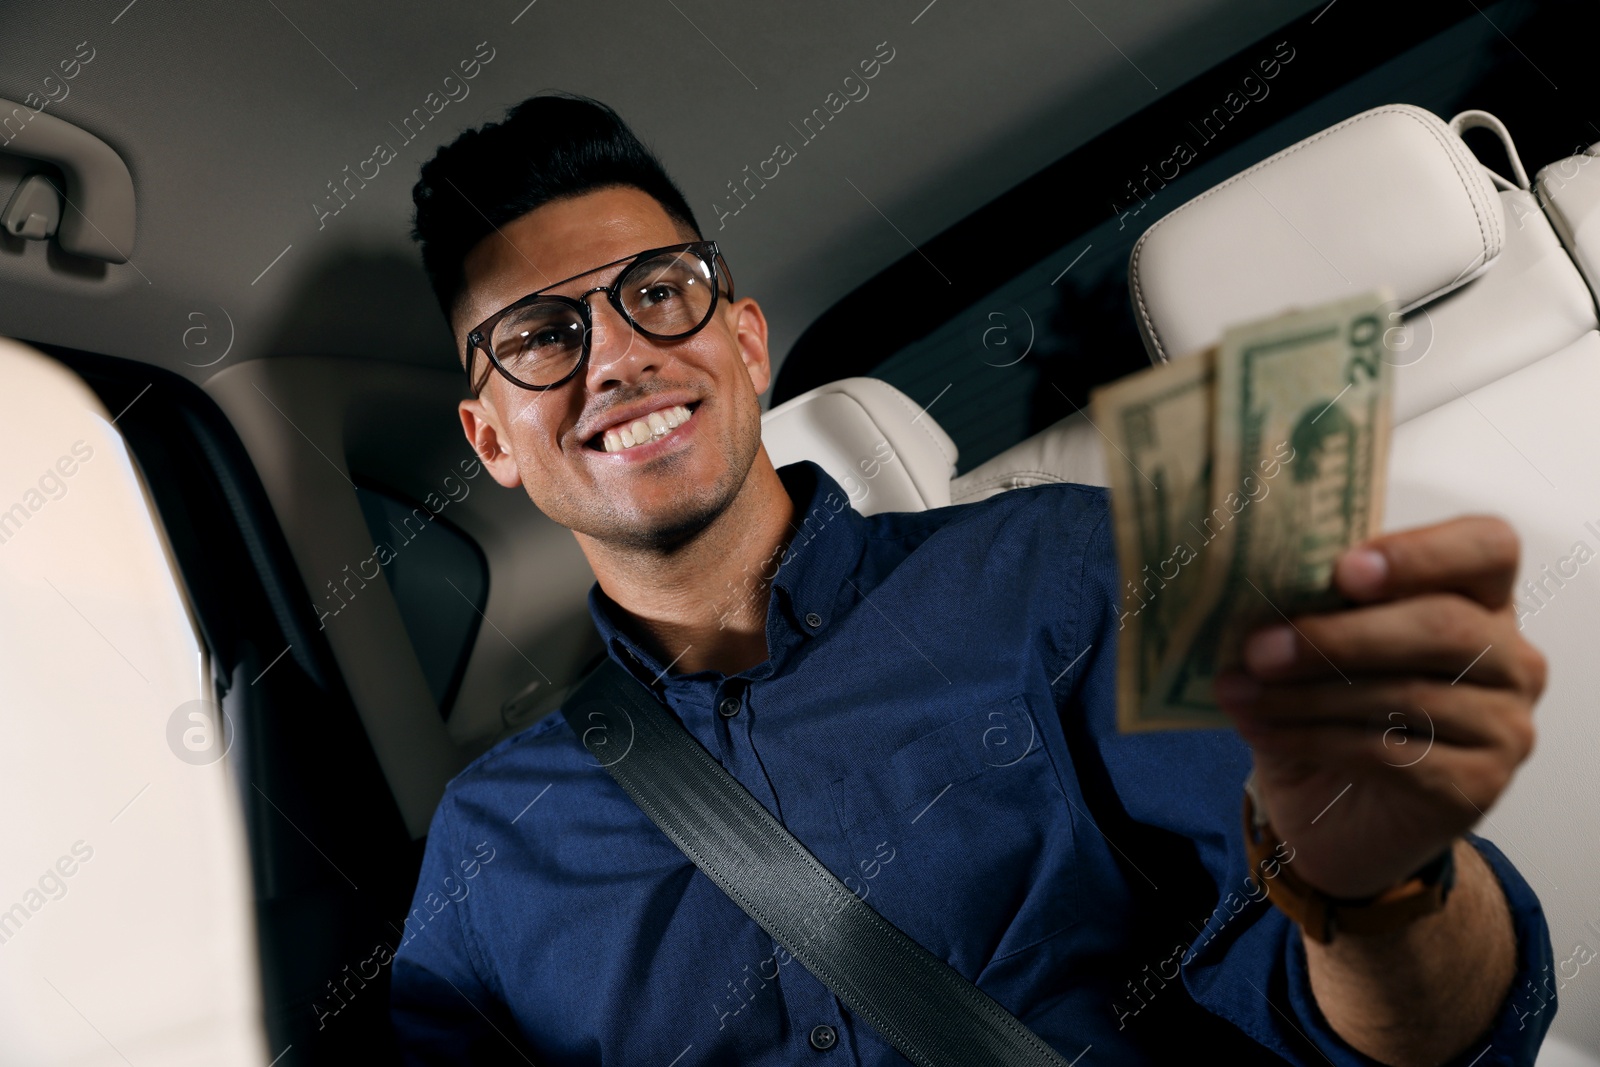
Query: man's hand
x=1383 y=732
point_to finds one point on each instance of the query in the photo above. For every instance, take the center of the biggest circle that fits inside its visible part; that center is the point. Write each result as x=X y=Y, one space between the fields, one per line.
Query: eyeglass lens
x=666 y=296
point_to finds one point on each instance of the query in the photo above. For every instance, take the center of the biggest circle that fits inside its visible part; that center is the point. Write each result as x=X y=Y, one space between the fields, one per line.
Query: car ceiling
x=234 y=118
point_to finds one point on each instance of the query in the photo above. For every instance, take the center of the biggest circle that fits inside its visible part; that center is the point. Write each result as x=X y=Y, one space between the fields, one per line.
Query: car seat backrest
x=1569 y=189
x=1068 y=450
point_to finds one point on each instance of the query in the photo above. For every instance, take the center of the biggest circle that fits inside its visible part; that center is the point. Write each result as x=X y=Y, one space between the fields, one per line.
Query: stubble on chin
x=630 y=529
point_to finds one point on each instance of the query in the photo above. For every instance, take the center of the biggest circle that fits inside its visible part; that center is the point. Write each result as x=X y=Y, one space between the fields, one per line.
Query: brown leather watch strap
x=1319 y=915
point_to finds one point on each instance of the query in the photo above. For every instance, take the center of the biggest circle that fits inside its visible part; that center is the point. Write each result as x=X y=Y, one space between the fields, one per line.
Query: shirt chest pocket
x=963 y=837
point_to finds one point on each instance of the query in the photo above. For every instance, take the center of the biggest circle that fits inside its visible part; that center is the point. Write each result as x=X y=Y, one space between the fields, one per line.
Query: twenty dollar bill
x=1240 y=475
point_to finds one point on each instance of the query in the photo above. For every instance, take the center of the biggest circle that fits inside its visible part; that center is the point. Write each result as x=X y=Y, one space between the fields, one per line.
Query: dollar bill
x=1158 y=423
x=1294 y=474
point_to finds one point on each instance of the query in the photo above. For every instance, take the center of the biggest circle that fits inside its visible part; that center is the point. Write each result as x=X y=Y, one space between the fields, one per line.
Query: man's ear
x=480 y=422
x=750 y=333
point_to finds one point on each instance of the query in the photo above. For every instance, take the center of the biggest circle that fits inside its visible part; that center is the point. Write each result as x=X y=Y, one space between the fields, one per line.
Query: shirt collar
x=805 y=576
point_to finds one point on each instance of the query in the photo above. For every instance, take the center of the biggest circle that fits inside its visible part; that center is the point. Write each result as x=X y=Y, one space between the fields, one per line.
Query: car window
x=1014 y=362
x=440 y=583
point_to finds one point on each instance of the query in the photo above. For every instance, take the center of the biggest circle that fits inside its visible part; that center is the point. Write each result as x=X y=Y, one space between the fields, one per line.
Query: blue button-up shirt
x=936 y=721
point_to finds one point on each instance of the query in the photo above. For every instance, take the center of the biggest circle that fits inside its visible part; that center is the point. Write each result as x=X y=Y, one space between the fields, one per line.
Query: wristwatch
x=1321 y=916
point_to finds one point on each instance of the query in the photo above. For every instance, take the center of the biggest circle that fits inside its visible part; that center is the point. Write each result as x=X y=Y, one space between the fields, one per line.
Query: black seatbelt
x=919 y=1003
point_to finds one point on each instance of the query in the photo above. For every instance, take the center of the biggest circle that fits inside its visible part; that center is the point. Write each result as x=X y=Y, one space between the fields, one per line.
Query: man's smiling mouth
x=652 y=427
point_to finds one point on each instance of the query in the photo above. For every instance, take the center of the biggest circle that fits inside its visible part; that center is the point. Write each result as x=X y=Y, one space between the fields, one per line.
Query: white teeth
x=639 y=431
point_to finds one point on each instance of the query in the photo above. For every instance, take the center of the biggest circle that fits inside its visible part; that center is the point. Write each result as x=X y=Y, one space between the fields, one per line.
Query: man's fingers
x=1475 y=555
x=1441 y=634
x=1481 y=773
x=1397 y=722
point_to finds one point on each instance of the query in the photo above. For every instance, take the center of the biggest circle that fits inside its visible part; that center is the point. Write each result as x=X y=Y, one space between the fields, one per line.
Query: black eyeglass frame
x=707 y=251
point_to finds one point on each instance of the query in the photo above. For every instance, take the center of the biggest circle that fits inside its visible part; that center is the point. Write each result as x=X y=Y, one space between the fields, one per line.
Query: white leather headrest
x=1390 y=197
x=885 y=452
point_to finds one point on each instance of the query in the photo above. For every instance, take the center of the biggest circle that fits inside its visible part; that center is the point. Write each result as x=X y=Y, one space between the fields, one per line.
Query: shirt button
x=813 y=620
x=823 y=1038
x=729 y=707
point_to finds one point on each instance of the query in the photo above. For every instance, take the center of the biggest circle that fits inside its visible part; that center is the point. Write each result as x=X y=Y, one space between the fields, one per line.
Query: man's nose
x=617 y=352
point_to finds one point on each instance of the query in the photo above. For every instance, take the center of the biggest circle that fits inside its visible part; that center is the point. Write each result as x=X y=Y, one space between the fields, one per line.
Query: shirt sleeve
x=1247 y=965
x=444 y=1014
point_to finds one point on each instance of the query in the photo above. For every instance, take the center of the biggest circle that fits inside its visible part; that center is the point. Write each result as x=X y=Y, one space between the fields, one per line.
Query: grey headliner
x=233 y=119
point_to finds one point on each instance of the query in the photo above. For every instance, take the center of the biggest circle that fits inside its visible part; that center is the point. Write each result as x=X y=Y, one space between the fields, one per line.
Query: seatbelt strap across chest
x=915 y=1000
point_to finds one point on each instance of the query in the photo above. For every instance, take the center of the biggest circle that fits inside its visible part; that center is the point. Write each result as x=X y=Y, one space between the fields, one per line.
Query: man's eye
x=542 y=338
x=657 y=294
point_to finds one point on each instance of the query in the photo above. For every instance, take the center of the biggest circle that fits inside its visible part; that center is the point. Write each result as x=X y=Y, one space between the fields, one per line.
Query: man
x=927 y=702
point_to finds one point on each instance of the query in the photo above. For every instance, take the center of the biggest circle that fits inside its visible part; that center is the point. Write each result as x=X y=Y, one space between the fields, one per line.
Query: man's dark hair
x=547 y=148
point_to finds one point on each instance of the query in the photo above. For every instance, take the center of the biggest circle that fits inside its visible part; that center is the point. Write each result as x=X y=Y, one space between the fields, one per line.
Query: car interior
x=262 y=604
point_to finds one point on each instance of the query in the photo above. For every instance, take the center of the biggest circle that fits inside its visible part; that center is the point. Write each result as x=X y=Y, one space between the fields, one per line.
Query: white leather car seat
x=1570 y=192
x=1068 y=450
x=885 y=452
x=1494 y=412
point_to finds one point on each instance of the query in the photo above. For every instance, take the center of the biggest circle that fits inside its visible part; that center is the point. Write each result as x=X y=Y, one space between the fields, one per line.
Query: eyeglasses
x=542 y=340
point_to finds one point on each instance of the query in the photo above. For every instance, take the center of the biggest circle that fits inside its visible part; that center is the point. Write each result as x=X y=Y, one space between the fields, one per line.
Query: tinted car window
x=439 y=580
